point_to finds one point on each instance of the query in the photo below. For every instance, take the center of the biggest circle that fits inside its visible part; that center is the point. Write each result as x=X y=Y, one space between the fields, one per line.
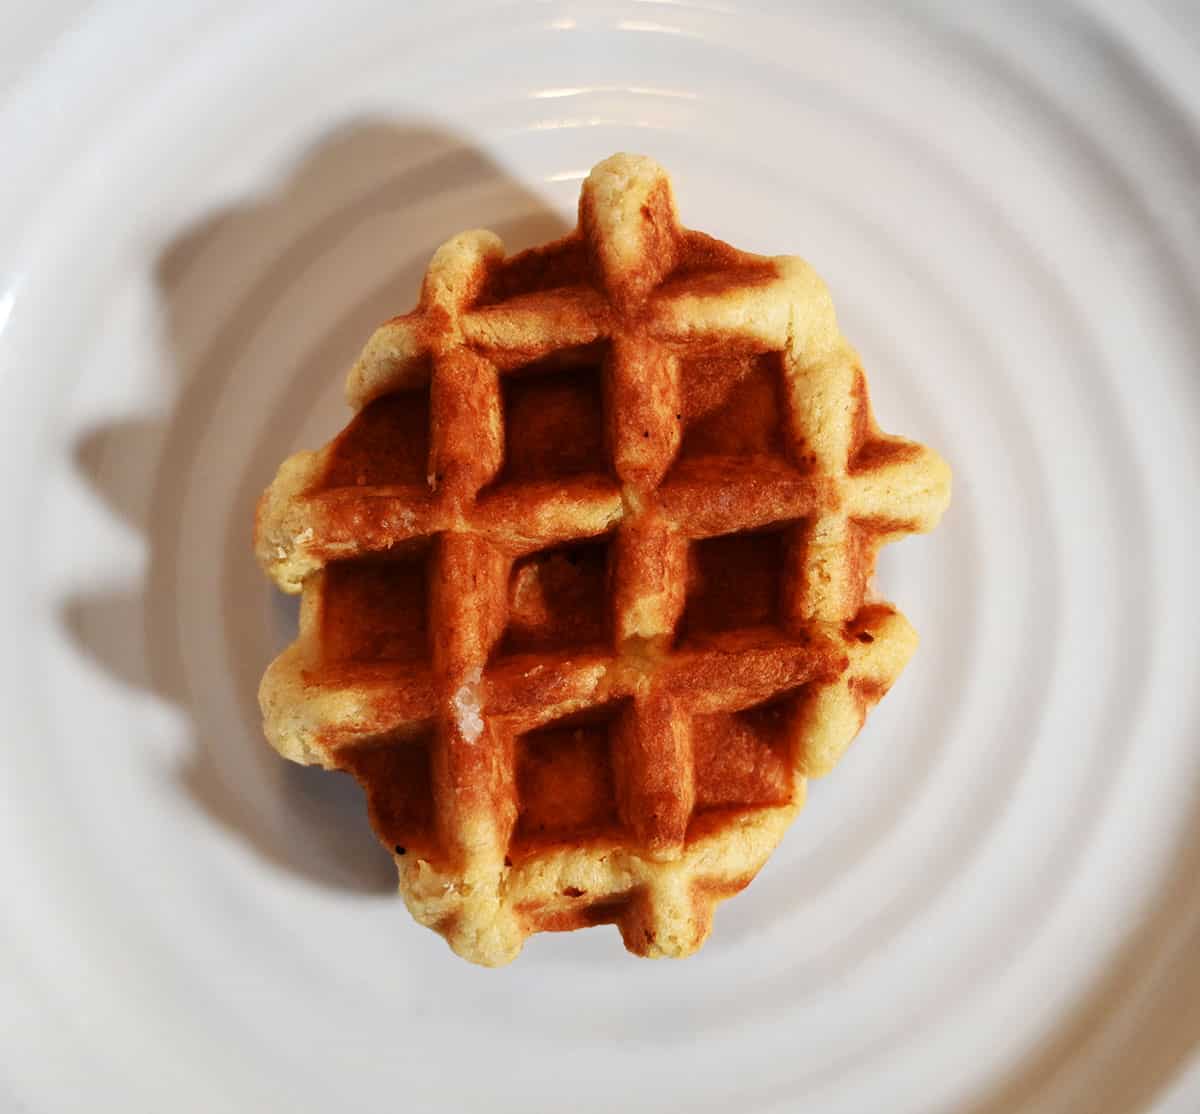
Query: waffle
x=585 y=580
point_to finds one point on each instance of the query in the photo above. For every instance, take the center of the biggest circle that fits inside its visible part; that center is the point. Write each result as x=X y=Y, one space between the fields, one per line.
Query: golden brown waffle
x=584 y=579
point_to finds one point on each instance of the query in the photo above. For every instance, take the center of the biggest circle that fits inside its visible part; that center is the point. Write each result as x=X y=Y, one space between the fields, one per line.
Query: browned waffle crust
x=584 y=579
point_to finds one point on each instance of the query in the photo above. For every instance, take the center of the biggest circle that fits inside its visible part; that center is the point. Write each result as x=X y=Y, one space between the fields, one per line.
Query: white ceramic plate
x=989 y=907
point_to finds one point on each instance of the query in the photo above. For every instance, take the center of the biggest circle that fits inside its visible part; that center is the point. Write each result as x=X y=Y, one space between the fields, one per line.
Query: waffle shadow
x=302 y=820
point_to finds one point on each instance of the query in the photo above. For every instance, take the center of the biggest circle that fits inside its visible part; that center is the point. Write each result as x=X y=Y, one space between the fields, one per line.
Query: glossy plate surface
x=990 y=906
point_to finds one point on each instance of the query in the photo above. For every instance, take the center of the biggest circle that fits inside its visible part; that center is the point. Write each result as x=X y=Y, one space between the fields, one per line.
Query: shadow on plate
x=305 y=820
